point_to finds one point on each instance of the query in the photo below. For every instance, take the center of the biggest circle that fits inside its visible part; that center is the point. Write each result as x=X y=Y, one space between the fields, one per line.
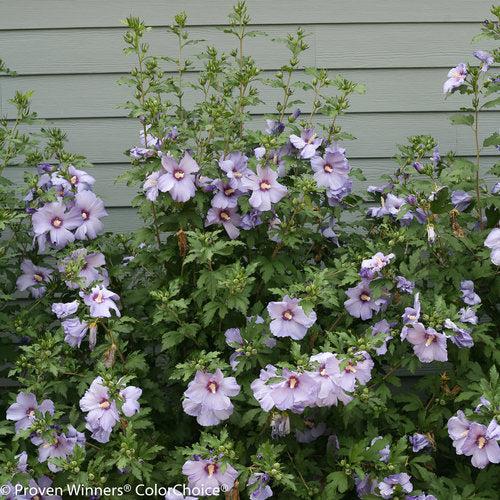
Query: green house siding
x=70 y=53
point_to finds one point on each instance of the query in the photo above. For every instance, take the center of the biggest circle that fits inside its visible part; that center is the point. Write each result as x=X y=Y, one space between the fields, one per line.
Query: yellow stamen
x=105 y=405
x=38 y=277
x=211 y=469
x=212 y=387
x=364 y=297
x=73 y=179
x=98 y=299
x=264 y=185
x=179 y=174
x=328 y=168
x=481 y=442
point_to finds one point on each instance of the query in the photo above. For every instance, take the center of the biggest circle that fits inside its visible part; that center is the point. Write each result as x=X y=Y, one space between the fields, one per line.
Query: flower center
x=429 y=339
x=212 y=387
x=228 y=191
x=56 y=222
x=322 y=371
x=265 y=185
x=481 y=442
x=74 y=180
x=85 y=214
x=413 y=317
x=237 y=174
x=364 y=297
x=464 y=433
x=98 y=297
x=105 y=404
x=350 y=368
x=293 y=382
x=225 y=216
x=287 y=315
x=30 y=412
x=328 y=168
x=38 y=277
x=312 y=138
x=211 y=469
x=179 y=174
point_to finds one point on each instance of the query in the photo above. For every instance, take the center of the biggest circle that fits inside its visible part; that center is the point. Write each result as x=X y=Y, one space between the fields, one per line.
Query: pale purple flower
x=418 y=166
x=265 y=188
x=460 y=200
x=468 y=315
x=404 y=285
x=462 y=337
x=335 y=196
x=60 y=184
x=428 y=344
x=482 y=444
x=262 y=392
x=235 y=166
x=458 y=429
x=360 y=303
x=100 y=301
x=88 y=209
x=493 y=242
x=307 y=143
x=150 y=186
x=22 y=462
x=382 y=327
x=422 y=496
x=80 y=179
x=419 y=442
x=371 y=267
x=207 y=475
x=74 y=331
x=227 y=194
x=130 y=396
x=384 y=453
x=141 y=153
x=149 y=140
x=388 y=485
x=259 y=152
x=483 y=403
x=393 y=204
x=365 y=486
x=64 y=309
x=77 y=437
x=274 y=127
x=178 y=178
x=89 y=272
x=53 y=222
x=207 y=397
x=288 y=319
x=456 y=77
x=358 y=370
x=251 y=220
x=431 y=234
x=102 y=413
x=33 y=279
x=295 y=391
x=486 y=58
x=259 y=487
x=496 y=188
x=331 y=171
x=229 y=218
x=311 y=432
x=330 y=380
x=40 y=486
x=59 y=446
x=412 y=314
x=23 y=411
x=468 y=295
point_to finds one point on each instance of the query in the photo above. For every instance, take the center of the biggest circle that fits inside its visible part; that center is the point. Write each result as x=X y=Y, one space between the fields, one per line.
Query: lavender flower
x=331 y=170
x=458 y=429
x=262 y=392
x=274 y=127
x=259 y=487
x=207 y=397
x=412 y=314
x=102 y=413
x=486 y=58
x=59 y=446
x=365 y=486
x=178 y=178
x=361 y=303
x=74 y=331
x=265 y=188
x=372 y=267
x=89 y=272
x=208 y=475
x=101 y=301
x=468 y=294
x=23 y=411
x=389 y=485
x=335 y=196
x=251 y=220
x=150 y=185
x=235 y=340
x=384 y=453
x=33 y=279
x=53 y=222
x=130 y=396
x=493 y=242
x=404 y=285
x=229 y=218
x=235 y=167
x=468 y=315
x=482 y=444
x=142 y=153
x=227 y=194
x=22 y=462
x=456 y=77
x=419 y=442
x=296 y=391
x=462 y=337
x=41 y=486
x=307 y=143
x=280 y=425
x=63 y=310
x=88 y=209
x=80 y=179
x=428 y=344
x=289 y=319
x=460 y=200
x=382 y=327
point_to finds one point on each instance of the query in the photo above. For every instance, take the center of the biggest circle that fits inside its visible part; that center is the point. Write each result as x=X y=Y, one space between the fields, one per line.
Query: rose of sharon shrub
x=272 y=328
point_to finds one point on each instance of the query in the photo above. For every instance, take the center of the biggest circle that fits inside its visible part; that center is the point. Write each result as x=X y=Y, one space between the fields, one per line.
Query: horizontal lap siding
x=70 y=53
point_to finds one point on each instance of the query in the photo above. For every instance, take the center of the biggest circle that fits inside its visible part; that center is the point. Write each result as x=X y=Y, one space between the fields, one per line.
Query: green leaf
x=462 y=120
x=491 y=104
x=492 y=140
